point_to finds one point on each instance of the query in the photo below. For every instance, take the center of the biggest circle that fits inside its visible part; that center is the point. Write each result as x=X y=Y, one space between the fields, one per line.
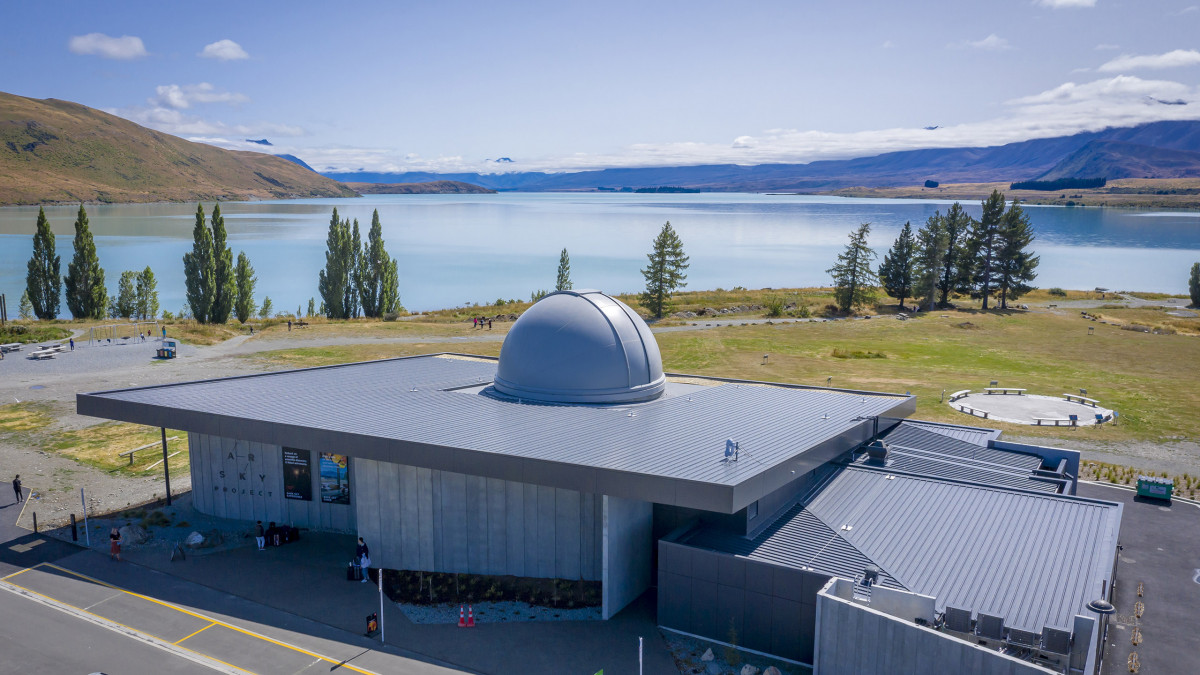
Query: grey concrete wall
x=243 y=480
x=771 y=608
x=853 y=639
x=627 y=545
x=441 y=521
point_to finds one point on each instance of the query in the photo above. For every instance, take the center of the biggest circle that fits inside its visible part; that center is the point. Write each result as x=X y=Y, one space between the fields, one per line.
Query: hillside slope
x=1117 y=159
x=58 y=151
x=437 y=187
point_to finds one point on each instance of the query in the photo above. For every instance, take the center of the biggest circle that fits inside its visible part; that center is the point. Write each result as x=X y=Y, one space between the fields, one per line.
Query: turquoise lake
x=462 y=249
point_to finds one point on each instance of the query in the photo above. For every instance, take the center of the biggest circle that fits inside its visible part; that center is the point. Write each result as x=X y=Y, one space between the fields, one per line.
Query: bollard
x=74 y=532
x=35 y=522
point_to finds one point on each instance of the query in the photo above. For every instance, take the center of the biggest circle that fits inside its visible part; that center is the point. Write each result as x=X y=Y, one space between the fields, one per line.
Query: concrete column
x=627 y=538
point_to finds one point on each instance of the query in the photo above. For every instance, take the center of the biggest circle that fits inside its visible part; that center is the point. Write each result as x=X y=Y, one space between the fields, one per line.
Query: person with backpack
x=363 y=555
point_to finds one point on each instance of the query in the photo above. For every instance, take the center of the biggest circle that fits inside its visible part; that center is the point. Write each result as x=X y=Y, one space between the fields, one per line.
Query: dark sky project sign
x=297 y=474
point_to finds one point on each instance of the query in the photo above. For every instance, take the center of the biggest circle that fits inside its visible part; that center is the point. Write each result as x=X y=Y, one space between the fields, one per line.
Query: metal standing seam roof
x=1034 y=559
x=967 y=445
x=973 y=435
x=403 y=410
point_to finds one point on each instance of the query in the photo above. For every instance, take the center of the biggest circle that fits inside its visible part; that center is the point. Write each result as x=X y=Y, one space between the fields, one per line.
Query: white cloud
x=176 y=122
x=1190 y=9
x=1066 y=4
x=224 y=50
x=1105 y=47
x=181 y=97
x=1172 y=59
x=123 y=48
x=992 y=43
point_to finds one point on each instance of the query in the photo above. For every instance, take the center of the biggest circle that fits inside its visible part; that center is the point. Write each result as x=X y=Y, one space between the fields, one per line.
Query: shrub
x=1057 y=292
x=391 y=316
x=857 y=354
x=774 y=306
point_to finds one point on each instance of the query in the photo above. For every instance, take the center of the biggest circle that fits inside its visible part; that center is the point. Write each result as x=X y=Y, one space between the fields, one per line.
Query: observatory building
x=821 y=525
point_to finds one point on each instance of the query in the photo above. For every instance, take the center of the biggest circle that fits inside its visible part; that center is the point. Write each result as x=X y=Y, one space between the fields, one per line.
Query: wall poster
x=297 y=474
x=335 y=478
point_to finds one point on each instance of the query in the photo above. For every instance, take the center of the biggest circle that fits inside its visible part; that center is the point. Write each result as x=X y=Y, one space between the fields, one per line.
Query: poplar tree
x=147 y=294
x=266 y=309
x=371 y=269
x=955 y=267
x=24 y=307
x=664 y=275
x=352 y=255
x=43 y=284
x=389 y=290
x=224 y=286
x=928 y=262
x=1194 y=285
x=243 y=305
x=563 y=283
x=125 y=304
x=332 y=281
x=312 y=307
x=1017 y=262
x=87 y=298
x=896 y=271
x=854 y=279
x=199 y=269
x=983 y=248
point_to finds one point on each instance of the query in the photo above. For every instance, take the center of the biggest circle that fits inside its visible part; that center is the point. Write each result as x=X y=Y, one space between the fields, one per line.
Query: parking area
x=226 y=646
x=1157 y=594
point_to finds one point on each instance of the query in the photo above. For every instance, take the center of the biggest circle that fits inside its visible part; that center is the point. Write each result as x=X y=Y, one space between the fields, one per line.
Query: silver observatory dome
x=580 y=347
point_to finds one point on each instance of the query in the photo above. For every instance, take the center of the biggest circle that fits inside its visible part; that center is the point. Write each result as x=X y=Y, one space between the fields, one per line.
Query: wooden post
x=166 y=467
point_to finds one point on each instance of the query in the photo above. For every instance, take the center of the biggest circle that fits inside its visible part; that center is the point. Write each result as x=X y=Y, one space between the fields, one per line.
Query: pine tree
x=563 y=283
x=1017 y=263
x=43 y=285
x=87 y=297
x=125 y=304
x=982 y=248
x=854 y=279
x=147 y=295
x=332 y=281
x=266 y=309
x=896 y=272
x=224 y=285
x=664 y=275
x=352 y=256
x=199 y=270
x=929 y=258
x=245 y=281
x=1194 y=285
x=25 y=307
x=955 y=268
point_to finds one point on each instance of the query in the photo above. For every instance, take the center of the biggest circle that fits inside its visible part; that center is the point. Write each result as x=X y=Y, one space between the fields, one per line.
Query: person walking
x=114 y=544
x=72 y=344
x=164 y=332
x=363 y=554
x=489 y=324
x=260 y=536
x=17 y=487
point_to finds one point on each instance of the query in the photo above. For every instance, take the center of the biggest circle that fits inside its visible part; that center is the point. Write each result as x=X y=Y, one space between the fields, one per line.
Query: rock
x=713 y=668
x=749 y=670
x=708 y=655
x=134 y=534
x=195 y=540
x=772 y=670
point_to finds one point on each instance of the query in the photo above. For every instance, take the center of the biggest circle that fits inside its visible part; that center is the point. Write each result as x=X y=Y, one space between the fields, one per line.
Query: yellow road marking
x=200 y=616
x=112 y=621
x=9 y=576
x=196 y=633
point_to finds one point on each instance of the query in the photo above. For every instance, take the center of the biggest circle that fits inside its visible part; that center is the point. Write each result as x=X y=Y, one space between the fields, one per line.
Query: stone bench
x=959 y=394
x=1082 y=399
x=1003 y=390
x=1057 y=420
x=971 y=411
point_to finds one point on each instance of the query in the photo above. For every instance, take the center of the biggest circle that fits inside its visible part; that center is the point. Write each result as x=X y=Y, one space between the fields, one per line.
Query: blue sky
x=564 y=86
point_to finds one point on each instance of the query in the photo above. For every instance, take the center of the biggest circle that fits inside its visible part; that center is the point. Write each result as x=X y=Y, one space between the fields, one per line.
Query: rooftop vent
x=990 y=627
x=958 y=619
x=1101 y=606
x=1056 y=640
x=877 y=452
x=1024 y=638
x=870 y=575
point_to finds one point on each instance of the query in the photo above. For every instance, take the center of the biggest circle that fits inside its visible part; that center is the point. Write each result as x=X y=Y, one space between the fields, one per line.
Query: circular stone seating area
x=1017 y=407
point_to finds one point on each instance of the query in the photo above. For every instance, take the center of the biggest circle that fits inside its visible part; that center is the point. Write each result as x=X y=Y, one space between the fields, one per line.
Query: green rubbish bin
x=1155 y=487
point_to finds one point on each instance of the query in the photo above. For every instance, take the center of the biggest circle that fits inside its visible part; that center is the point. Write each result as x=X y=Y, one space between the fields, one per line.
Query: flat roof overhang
x=785 y=430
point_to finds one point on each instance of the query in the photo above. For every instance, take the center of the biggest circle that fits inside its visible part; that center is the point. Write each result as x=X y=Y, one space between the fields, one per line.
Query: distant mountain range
x=58 y=151
x=1156 y=150
x=437 y=187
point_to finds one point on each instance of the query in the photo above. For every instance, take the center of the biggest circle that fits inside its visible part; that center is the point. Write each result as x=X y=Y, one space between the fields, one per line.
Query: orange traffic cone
x=470 y=617
x=462 y=619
